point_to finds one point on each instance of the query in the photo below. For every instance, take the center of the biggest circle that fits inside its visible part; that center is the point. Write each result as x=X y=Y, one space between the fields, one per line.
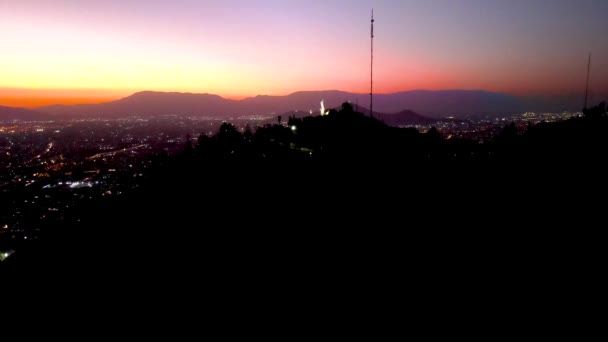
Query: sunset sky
x=78 y=51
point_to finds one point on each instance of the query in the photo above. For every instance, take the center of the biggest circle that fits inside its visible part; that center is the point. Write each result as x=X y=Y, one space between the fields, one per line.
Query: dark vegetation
x=341 y=191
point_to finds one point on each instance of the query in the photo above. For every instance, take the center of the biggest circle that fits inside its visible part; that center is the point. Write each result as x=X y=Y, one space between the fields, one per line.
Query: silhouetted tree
x=347 y=107
x=202 y=140
x=228 y=139
x=248 y=134
x=228 y=132
x=279 y=118
x=596 y=112
x=188 y=146
x=203 y=145
x=508 y=133
x=433 y=134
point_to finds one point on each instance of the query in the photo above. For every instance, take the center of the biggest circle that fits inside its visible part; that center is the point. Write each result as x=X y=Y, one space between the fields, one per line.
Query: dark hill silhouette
x=343 y=191
x=241 y=203
x=403 y=118
x=434 y=104
x=11 y=113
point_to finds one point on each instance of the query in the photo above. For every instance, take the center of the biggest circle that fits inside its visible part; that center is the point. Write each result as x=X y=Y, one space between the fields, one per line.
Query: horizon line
x=93 y=100
x=12 y=101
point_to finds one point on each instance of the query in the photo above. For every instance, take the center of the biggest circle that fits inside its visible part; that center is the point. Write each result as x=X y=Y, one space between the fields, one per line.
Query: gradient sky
x=68 y=51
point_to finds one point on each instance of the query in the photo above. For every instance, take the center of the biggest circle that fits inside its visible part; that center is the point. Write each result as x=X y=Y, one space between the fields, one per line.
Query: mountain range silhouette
x=430 y=104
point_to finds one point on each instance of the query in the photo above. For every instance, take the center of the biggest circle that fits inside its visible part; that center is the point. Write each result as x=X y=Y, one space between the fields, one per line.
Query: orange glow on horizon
x=34 y=102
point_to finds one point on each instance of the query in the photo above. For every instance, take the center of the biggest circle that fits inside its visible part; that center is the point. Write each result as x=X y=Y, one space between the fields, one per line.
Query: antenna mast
x=371 y=78
x=587 y=88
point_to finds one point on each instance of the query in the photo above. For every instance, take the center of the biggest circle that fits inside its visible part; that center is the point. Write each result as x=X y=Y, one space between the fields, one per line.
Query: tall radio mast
x=371 y=72
x=587 y=87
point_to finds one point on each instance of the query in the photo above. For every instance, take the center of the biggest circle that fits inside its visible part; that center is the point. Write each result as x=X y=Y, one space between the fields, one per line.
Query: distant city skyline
x=67 y=52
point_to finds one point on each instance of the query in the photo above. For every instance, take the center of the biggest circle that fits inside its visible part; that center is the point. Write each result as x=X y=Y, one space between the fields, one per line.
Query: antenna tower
x=371 y=71
x=587 y=87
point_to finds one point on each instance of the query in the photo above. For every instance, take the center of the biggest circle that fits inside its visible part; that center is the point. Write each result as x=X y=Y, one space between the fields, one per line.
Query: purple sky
x=243 y=48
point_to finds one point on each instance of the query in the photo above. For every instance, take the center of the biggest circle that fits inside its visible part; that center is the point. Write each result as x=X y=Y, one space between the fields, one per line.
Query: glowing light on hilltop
x=322 y=110
x=5 y=255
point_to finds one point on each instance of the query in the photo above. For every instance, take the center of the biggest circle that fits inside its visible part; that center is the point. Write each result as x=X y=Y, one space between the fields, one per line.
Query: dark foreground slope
x=345 y=193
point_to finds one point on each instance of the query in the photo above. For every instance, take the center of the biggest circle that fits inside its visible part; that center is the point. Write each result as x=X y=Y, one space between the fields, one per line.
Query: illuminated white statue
x=323 y=107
